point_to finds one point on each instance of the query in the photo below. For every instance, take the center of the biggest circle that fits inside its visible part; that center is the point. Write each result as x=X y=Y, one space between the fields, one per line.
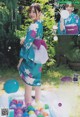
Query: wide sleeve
x=77 y=19
x=59 y=30
x=31 y=35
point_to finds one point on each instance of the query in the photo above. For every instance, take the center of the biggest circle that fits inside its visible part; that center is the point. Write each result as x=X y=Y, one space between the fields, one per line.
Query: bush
x=73 y=54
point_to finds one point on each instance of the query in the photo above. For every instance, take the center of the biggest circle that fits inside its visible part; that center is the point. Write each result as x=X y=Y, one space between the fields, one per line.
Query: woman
x=71 y=25
x=29 y=69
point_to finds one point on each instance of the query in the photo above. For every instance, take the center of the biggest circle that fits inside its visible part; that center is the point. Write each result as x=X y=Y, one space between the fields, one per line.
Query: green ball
x=40 y=115
x=46 y=106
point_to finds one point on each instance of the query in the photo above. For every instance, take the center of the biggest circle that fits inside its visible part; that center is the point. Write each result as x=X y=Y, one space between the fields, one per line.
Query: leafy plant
x=73 y=53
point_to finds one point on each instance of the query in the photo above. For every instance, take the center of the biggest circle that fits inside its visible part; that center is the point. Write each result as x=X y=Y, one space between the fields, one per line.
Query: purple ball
x=59 y=104
x=37 y=112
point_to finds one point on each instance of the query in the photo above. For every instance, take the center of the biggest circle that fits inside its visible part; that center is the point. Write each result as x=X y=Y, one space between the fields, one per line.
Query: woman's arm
x=22 y=40
x=62 y=26
x=20 y=61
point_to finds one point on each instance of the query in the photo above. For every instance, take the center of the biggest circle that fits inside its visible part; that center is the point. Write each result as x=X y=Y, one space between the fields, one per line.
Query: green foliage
x=4 y=14
x=40 y=1
x=9 y=17
x=73 y=54
x=10 y=22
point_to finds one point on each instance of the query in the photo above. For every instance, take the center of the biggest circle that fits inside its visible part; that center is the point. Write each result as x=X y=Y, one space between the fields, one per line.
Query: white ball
x=64 y=14
x=9 y=47
x=55 y=38
x=55 y=27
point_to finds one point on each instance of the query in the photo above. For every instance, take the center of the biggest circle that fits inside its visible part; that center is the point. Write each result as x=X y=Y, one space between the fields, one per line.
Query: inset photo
x=67 y=17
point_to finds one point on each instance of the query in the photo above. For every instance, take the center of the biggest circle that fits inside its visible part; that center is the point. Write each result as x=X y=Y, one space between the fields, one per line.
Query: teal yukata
x=30 y=71
x=72 y=19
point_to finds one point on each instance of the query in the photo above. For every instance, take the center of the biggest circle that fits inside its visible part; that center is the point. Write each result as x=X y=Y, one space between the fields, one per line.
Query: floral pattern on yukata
x=29 y=71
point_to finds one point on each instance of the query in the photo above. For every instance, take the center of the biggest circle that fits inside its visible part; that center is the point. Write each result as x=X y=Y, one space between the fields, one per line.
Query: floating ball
x=64 y=14
x=59 y=104
x=46 y=106
x=11 y=86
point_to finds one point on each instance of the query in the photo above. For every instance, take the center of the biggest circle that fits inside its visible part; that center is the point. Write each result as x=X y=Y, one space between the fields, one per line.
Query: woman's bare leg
x=37 y=93
x=28 y=90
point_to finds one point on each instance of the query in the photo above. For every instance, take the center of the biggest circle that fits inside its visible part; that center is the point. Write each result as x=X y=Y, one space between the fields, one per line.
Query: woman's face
x=33 y=15
x=70 y=8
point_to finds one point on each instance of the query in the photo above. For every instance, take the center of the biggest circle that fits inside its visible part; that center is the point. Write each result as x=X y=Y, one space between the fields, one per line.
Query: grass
x=51 y=76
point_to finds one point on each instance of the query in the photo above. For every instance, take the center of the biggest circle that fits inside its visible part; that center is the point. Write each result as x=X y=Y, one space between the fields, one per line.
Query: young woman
x=71 y=25
x=29 y=69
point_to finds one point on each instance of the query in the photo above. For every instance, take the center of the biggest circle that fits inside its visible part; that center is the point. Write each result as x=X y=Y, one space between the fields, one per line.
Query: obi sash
x=71 y=29
x=39 y=42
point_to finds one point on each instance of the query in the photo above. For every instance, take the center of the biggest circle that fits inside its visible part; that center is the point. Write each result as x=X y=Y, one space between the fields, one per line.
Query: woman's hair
x=36 y=7
x=69 y=3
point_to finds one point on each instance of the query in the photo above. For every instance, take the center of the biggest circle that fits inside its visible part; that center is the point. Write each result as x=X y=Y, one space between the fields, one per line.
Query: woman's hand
x=62 y=26
x=18 y=65
x=22 y=40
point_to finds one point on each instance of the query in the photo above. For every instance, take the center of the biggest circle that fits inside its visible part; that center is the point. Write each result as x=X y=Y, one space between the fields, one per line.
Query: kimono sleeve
x=77 y=18
x=59 y=31
x=31 y=35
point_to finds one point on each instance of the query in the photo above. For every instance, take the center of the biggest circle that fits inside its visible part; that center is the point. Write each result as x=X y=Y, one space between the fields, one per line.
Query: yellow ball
x=31 y=112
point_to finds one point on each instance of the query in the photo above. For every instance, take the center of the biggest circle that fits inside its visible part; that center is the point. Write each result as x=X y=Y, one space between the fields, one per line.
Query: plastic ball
x=37 y=112
x=40 y=115
x=31 y=112
x=11 y=86
x=31 y=108
x=64 y=14
x=46 y=106
x=33 y=115
x=19 y=103
x=13 y=104
x=55 y=38
x=24 y=109
x=19 y=112
x=45 y=114
x=59 y=104
x=25 y=114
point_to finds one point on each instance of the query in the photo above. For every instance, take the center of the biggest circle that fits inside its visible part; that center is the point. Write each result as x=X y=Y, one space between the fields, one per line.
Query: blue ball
x=11 y=86
x=25 y=114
